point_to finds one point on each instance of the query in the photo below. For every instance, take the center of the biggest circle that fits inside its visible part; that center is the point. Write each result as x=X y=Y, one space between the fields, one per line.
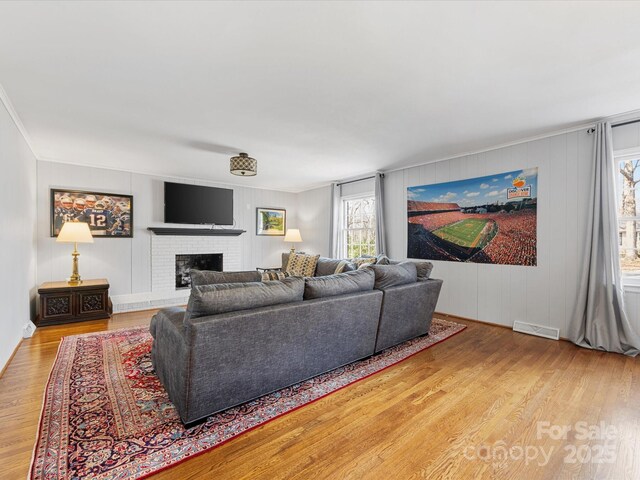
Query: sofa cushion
x=329 y=266
x=338 y=284
x=424 y=270
x=301 y=265
x=229 y=297
x=394 y=275
x=210 y=277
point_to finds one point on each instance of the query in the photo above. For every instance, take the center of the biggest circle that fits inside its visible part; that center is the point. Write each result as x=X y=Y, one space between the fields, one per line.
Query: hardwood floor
x=464 y=409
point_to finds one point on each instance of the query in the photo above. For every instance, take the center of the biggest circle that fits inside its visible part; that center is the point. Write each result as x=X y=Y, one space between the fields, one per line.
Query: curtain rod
x=625 y=123
x=358 y=180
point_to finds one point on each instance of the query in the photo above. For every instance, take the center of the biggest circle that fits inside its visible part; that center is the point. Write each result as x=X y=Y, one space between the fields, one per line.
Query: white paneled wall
x=127 y=262
x=313 y=220
x=17 y=234
x=362 y=187
x=501 y=294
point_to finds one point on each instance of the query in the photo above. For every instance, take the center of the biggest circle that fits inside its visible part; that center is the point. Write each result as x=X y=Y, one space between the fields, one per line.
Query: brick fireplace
x=165 y=248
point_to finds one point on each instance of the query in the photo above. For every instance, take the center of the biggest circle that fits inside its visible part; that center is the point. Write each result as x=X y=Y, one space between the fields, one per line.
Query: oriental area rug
x=106 y=415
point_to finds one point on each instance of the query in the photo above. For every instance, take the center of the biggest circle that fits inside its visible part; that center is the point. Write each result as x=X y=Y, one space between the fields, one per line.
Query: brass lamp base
x=75 y=279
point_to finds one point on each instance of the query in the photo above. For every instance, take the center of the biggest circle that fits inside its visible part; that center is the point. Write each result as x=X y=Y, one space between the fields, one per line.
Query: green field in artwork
x=465 y=233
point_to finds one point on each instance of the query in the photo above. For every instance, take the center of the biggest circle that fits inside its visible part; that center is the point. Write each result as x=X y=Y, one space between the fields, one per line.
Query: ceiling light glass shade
x=243 y=165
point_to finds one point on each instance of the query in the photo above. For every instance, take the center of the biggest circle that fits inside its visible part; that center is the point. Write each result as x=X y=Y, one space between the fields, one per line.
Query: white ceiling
x=315 y=91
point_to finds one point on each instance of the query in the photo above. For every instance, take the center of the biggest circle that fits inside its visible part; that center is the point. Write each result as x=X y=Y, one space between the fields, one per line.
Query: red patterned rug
x=106 y=415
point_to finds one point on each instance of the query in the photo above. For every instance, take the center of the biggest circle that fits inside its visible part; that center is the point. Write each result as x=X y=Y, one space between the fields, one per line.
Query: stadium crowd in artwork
x=445 y=231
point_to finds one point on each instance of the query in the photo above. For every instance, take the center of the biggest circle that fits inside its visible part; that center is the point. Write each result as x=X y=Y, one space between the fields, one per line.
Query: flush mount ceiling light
x=243 y=165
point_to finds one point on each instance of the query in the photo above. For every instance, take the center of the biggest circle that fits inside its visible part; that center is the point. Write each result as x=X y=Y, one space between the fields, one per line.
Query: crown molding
x=623 y=117
x=163 y=176
x=576 y=128
x=4 y=99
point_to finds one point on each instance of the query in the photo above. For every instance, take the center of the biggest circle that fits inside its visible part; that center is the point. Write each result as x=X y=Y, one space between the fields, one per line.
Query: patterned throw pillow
x=270 y=276
x=302 y=265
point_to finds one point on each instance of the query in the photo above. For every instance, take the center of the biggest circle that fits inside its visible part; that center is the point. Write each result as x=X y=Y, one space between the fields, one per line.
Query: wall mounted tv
x=197 y=204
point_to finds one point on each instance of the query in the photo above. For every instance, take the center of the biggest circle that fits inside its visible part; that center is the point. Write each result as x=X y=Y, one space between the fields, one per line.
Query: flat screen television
x=197 y=204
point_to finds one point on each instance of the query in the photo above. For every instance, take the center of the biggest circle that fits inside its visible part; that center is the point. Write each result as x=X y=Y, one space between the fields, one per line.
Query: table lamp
x=293 y=236
x=75 y=232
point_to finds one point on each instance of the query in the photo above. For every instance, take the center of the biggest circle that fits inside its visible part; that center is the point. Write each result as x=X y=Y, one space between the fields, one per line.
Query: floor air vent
x=538 y=330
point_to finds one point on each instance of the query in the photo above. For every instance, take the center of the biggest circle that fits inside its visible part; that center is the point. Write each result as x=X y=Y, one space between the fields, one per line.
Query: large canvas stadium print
x=488 y=219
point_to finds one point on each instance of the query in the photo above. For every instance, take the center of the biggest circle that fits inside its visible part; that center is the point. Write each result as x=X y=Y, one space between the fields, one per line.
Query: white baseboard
x=538 y=330
x=148 y=300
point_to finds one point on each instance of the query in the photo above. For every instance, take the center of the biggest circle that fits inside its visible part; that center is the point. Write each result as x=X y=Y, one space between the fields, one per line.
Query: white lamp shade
x=293 y=236
x=75 y=232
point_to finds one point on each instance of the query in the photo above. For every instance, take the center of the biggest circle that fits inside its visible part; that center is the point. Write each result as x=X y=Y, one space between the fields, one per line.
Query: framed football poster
x=108 y=215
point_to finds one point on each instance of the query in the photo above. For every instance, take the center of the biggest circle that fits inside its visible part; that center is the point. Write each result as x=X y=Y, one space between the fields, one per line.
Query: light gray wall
x=358 y=188
x=544 y=294
x=126 y=263
x=17 y=233
x=501 y=294
x=314 y=213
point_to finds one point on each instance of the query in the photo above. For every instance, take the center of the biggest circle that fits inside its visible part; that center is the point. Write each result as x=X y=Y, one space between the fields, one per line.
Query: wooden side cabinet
x=64 y=303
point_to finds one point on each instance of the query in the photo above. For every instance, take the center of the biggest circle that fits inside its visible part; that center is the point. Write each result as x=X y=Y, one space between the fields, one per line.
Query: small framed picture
x=271 y=221
x=108 y=215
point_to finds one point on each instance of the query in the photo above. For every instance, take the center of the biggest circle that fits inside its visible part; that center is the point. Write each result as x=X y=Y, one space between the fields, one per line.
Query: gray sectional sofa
x=239 y=338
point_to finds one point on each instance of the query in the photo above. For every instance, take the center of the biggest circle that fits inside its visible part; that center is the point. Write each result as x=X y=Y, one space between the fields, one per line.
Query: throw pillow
x=342 y=266
x=270 y=276
x=424 y=270
x=301 y=265
x=393 y=275
x=326 y=266
x=382 y=259
x=361 y=262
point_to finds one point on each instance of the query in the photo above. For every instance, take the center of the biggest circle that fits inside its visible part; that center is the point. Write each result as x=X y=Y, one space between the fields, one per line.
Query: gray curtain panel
x=334 y=234
x=381 y=235
x=599 y=321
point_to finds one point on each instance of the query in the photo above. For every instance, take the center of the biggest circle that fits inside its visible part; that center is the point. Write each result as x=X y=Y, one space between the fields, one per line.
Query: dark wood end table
x=64 y=303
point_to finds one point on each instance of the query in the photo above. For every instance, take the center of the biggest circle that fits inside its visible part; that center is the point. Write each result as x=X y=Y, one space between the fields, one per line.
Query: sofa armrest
x=170 y=352
x=175 y=315
x=407 y=311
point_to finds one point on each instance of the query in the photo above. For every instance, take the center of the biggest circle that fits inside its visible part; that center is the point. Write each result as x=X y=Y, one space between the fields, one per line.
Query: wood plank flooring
x=487 y=403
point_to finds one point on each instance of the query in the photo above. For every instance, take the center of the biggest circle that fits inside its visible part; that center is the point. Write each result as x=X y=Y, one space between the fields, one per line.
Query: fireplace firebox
x=200 y=261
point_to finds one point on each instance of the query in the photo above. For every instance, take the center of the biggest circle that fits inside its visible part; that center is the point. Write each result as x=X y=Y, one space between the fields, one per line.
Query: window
x=628 y=200
x=358 y=226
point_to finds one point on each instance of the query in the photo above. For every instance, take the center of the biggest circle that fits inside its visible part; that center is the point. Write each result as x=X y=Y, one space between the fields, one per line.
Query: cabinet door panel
x=57 y=305
x=92 y=302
